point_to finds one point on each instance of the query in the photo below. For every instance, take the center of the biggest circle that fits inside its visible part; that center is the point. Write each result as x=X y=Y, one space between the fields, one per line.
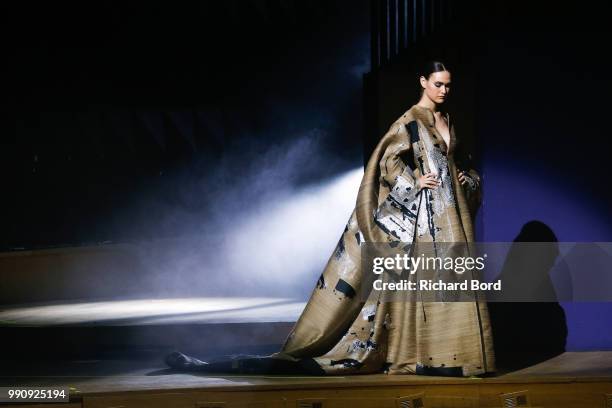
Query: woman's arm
x=389 y=194
x=469 y=178
x=396 y=214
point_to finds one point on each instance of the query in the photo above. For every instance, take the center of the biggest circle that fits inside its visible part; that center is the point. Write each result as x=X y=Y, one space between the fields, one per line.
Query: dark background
x=119 y=115
x=116 y=114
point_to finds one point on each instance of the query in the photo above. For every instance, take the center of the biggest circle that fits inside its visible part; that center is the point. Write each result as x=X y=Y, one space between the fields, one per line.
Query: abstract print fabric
x=342 y=333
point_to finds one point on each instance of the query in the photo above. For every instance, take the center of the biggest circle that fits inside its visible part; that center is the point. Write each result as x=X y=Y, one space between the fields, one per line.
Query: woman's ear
x=423 y=81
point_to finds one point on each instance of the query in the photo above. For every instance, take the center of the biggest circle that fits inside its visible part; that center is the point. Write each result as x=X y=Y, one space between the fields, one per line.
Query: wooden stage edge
x=573 y=379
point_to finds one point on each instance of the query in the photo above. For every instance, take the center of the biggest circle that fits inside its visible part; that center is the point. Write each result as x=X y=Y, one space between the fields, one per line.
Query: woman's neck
x=428 y=104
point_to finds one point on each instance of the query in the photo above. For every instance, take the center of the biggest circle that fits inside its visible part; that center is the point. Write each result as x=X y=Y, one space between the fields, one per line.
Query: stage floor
x=99 y=379
x=102 y=376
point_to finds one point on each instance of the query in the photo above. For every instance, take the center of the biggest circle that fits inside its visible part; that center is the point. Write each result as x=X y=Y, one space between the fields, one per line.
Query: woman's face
x=437 y=87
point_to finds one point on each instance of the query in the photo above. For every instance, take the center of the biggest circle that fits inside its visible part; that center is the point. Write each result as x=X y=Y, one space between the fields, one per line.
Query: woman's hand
x=461 y=177
x=471 y=181
x=429 y=180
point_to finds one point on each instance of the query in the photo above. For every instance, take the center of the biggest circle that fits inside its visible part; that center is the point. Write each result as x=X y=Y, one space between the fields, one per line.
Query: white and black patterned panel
x=397 y=214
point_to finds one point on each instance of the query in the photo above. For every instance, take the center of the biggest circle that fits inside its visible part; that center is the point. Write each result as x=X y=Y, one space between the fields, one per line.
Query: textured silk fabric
x=344 y=335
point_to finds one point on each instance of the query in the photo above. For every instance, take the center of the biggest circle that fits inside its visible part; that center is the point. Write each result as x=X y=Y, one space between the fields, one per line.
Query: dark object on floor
x=243 y=364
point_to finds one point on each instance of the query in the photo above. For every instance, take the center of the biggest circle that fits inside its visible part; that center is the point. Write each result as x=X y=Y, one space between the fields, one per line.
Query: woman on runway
x=412 y=192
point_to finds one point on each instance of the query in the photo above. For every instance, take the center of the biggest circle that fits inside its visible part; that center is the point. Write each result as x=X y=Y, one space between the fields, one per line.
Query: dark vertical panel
x=402 y=23
x=392 y=28
x=388 y=29
x=418 y=19
x=412 y=29
x=383 y=29
x=425 y=17
x=374 y=35
x=432 y=15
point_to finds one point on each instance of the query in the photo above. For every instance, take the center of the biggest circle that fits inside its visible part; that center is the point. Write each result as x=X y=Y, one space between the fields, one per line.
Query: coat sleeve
x=397 y=212
x=473 y=185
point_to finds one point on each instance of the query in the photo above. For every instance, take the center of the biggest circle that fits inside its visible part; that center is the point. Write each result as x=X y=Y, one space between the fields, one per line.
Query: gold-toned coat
x=345 y=335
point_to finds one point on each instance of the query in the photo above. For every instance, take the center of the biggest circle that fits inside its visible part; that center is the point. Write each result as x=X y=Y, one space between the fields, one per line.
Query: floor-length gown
x=339 y=333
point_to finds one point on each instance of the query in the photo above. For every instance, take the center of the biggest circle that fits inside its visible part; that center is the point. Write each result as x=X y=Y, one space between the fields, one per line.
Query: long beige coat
x=345 y=335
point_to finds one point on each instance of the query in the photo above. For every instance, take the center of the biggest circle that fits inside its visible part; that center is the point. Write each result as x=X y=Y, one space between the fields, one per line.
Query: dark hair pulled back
x=432 y=66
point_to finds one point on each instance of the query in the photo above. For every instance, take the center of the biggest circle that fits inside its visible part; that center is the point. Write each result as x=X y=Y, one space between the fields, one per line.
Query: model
x=412 y=191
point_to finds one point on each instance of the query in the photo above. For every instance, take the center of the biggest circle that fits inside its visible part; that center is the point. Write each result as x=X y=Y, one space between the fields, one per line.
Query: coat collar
x=426 y=115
